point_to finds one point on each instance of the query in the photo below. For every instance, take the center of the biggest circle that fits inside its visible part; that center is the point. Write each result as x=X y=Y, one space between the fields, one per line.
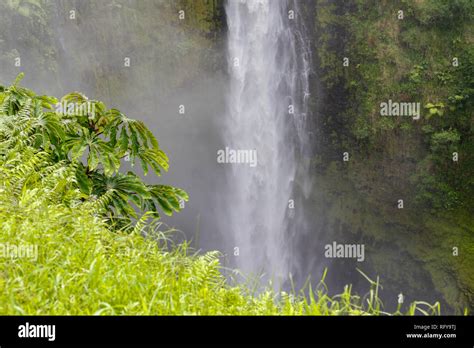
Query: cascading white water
x=268 y=71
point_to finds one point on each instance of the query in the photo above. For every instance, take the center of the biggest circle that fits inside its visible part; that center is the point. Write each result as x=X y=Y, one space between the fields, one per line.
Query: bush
x=443 y=13
x=93 y=141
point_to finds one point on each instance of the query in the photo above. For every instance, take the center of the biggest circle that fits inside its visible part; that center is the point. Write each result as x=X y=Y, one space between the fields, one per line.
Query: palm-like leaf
x=99 y=151
x=169 y=198
x=121 y=188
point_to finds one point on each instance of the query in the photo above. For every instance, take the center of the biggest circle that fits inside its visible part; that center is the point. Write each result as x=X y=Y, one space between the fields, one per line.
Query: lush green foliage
x=82 y=264
x=83 y=267
x=427 y=56
x=90 y=141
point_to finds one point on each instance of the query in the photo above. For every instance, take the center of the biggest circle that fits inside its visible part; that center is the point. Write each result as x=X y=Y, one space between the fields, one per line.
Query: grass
x=84 y=268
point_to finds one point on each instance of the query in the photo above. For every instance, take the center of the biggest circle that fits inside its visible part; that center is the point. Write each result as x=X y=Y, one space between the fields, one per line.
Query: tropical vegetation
x=97 y=245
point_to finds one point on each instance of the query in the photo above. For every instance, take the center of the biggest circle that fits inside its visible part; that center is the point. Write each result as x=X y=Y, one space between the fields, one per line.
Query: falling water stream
x=268 y=68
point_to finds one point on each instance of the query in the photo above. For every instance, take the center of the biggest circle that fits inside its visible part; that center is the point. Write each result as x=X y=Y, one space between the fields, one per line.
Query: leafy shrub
x=93 y=141
x=445 y=141
x=445 y=13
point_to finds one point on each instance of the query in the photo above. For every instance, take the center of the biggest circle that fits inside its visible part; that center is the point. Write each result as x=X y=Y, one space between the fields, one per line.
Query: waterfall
x=268 y=69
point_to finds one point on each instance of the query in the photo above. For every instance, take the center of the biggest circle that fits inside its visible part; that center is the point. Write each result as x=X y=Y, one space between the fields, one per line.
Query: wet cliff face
x=405 y=59
x=84 y=44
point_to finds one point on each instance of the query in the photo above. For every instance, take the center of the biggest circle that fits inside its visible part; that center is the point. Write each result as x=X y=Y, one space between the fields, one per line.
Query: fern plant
x=84 y=135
